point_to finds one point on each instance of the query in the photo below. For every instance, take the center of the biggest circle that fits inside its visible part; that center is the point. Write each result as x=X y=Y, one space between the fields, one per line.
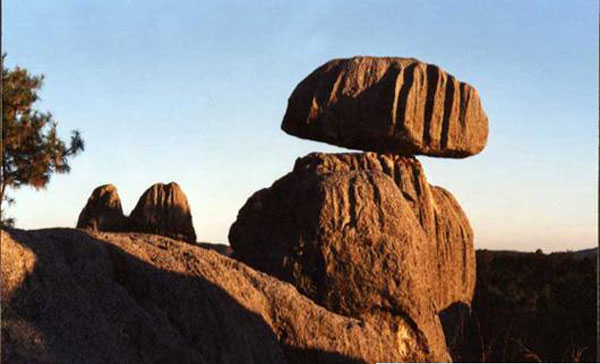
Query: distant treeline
x=533 y=307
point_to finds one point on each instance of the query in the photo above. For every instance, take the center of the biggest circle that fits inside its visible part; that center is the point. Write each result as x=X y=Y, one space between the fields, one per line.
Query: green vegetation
x=31 y=148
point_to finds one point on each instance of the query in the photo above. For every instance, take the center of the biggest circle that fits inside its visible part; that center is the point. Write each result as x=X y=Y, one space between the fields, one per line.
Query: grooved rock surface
x=453 y=250
x=164 y=210
x=388 y=105
x=102 y=211
x=450 y=237
x=72 y=296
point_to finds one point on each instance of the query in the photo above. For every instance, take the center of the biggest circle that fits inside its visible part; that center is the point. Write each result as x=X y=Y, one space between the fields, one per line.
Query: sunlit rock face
x=365 y=235
x=72 y=296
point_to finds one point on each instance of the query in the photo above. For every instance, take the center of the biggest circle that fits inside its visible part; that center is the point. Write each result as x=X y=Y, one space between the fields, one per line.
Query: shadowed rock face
x=388 y=105
x=103 y=211
x=164 y=210
x=71 y=296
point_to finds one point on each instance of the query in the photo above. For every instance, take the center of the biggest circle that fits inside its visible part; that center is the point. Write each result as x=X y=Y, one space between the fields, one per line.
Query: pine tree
x=31 y=148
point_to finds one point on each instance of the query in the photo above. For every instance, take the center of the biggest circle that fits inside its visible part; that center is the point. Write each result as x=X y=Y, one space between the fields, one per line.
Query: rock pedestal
x=365 y=236
x=302 y=211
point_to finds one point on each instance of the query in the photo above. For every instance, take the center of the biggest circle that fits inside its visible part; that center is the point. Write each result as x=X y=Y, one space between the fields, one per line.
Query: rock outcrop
x=164 y=210
x=386 y=259
x=337 y=209
x=72 y=296
x=364 y=235
x=388 y=105
x=103 y=211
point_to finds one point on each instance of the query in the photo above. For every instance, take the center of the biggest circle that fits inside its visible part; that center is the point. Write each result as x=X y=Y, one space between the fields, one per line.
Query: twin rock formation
x=162 y=209
x=364 y=234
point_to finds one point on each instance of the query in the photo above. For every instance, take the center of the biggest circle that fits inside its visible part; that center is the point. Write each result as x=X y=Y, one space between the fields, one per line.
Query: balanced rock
x=323 y=214
x=164 y=210
x=388 y=105
x=103 y=211
x=72 y=296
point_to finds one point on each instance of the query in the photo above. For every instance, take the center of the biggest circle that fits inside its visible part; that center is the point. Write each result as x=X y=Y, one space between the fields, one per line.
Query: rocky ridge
x=73 y=296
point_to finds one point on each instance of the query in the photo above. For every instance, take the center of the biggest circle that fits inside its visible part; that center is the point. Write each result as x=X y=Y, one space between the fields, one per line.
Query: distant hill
x=585 y=253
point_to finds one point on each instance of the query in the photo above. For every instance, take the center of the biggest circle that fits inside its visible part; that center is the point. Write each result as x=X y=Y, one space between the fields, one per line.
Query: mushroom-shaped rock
x=388 y=105
x=103 y=211
x=164 y=210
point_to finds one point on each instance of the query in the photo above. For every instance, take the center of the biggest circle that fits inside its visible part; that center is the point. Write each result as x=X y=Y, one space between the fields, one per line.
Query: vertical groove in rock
x=463 y=104
x=407 y=76
x=448 y=108
x=433 y=76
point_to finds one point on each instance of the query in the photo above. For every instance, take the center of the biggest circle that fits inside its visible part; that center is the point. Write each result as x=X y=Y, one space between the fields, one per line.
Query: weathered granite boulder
x=72 y=296
x=164 y=210
x=103 y=211
x=450 y=236
x=364 y=235
x=329 y=209
x=388 y=105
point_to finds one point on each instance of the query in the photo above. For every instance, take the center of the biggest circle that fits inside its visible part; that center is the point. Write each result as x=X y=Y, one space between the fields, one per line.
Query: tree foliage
x=31 y=148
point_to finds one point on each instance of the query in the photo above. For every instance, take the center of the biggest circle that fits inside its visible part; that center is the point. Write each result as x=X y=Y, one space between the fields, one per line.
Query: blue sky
x=194 y=92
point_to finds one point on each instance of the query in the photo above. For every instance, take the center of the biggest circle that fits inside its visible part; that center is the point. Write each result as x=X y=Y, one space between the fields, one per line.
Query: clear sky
x=195 y=91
